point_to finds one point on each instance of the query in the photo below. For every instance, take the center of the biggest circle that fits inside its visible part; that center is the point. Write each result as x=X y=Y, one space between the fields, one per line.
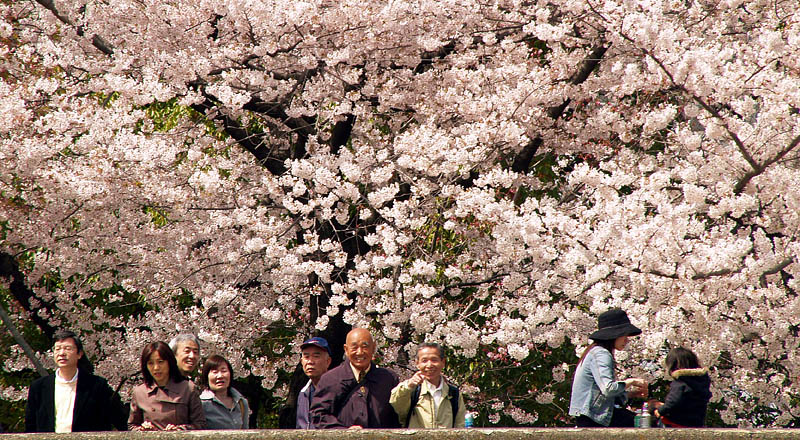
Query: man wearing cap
x=315 y=360
x=356 y=393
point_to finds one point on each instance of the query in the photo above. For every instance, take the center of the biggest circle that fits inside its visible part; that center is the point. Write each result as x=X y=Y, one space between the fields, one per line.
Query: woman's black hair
x=213 y=363
x=680 y=358
x=163 y=350
x=607 y=344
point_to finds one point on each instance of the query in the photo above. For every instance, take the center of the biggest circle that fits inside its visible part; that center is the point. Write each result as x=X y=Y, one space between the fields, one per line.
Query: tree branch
x=756 y=167
x=523 y=159
x=473 y=283
x=587 y=66
x=742 y=183
x=713 y=273
x=22 y=342
x=97 y=41
x=773 y=270
x=9 y=268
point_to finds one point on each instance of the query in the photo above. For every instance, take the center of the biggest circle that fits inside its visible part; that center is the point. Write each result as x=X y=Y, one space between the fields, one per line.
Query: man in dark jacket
x=315 y=359
x=356 y=393
x=72 y=399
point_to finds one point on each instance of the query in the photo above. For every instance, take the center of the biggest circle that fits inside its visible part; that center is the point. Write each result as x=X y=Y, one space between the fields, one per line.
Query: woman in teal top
x=225 y=408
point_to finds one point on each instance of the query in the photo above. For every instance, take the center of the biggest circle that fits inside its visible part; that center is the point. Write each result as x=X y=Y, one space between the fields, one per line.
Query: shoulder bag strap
x=414 y=400
x=454 y=402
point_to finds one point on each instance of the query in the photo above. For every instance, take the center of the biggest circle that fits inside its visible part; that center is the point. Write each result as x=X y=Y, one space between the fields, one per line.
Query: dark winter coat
x=688 y=397
x=340 y=402
x=96 y=408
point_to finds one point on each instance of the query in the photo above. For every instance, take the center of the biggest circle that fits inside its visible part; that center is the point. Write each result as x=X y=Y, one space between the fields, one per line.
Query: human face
x=66 y=354
x=219 y=379
x=187 y=355
x=158 y=368
x=430 y=364
x=359 y=348
x=621 y=342
x=315 y=362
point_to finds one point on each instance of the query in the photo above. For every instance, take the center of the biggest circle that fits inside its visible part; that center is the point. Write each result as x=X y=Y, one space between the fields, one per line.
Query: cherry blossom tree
x=487 y=174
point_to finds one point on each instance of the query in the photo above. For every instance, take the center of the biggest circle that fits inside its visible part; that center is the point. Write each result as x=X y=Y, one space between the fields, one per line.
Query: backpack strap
x=414 y=400
x=454 y=402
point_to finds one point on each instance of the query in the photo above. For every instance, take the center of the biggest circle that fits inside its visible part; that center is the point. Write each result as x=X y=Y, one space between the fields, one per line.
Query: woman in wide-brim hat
x=598 y=398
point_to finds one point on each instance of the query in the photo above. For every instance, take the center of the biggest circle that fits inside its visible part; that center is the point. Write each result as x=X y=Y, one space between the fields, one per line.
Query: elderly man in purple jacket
x=356 y=393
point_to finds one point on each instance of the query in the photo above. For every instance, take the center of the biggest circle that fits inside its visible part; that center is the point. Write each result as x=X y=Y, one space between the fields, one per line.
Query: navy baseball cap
x=317 y=342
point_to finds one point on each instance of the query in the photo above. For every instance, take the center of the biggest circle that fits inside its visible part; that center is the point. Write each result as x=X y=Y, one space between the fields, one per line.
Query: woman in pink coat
x=166 y=401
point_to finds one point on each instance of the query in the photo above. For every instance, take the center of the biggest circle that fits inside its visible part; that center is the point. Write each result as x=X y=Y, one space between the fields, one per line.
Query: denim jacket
x=220 y=417
x=595 y=387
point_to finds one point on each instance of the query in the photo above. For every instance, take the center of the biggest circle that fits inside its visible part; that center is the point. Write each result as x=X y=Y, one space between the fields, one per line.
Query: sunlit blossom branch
x=712 y=111
x=775 y=269
x=742 y=183
x=97 y=41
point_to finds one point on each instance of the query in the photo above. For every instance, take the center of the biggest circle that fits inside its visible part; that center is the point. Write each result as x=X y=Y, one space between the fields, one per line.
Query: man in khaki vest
x=432 y=396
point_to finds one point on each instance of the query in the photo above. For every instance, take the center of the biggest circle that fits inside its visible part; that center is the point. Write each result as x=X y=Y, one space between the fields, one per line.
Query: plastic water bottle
x=637 y=418
x=646 y=421
x=469 y=420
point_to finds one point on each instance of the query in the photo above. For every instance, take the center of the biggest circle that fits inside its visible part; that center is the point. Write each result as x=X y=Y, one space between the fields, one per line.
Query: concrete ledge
x=442 y=434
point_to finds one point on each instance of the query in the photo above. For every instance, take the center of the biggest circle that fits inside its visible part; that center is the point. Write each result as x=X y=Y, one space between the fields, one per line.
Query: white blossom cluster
x=666 y=185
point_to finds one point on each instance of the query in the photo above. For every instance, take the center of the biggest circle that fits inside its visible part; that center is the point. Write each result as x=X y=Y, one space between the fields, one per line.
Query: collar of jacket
x=171 y=386
x=427 y=388
x=352 y=375
x=308 y=386
x=689 y=372
x=209 y=395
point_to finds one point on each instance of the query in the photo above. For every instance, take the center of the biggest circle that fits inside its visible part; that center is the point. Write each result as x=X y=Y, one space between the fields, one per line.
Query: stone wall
x=444 y=434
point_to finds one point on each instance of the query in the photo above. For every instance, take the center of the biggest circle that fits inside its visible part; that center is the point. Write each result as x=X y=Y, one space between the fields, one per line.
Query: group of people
x=600 y=400
x=356 y=394
x=73 y=399
x=359 y=394
x=167 y=401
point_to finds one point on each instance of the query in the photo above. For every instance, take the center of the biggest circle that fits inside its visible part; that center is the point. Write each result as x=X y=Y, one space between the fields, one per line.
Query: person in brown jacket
x=166 y=401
